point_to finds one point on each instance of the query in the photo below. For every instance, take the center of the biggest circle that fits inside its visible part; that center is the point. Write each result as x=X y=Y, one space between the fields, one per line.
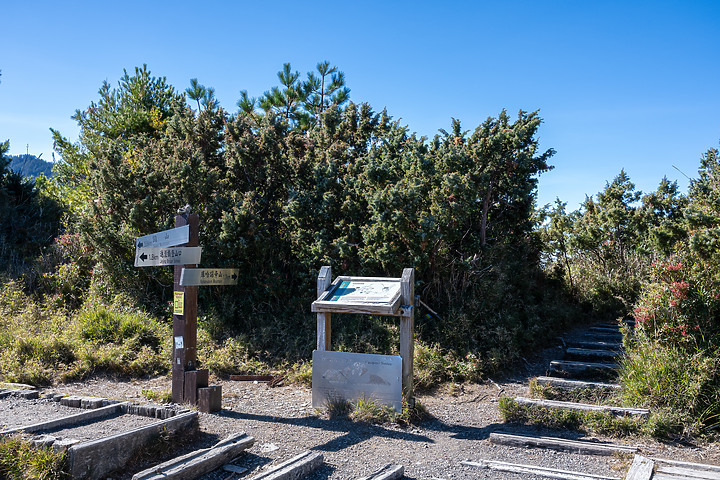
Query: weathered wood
x=534 y=470
x=195 y=464
x=597 y=344
x=560 y=444
x=94 y=459
x=641 y=469
x=293 y=469
x=185 y=325
x=234 y=469
x=195 y=379
x=573 y=368
x=583 y=407
x=611 y=330
x=680 y=463
x=252 y=378
x=88 y=416
x=407 y=333
x=594 y=354
x=388 y=472
x=567 y=384
x=687 y=473
x=324 y=318
x=210 y=399
x=390 y=309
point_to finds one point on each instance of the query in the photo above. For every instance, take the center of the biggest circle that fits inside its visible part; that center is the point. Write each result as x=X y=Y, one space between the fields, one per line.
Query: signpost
x=178 y=247
x=209 y=276
x=160 y=256
x=365 y=295
x=166 y=238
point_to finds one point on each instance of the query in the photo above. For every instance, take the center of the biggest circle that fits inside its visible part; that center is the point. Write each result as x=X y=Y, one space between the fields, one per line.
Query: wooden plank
x=574 y=368
x=407 y=333
x=252 y=378
x=535 y=470
x=641 y=469
x=560 y=444
x=689 y=473
x=209 y=399
x=568 y=384
x=200 y=462
x=612 y=330
x=701 y=466
x=583 y=407
x=388 y=472
x=587 y=353
x=293 y=469
x=87 y=416
x=324 y=281
x=597 y=344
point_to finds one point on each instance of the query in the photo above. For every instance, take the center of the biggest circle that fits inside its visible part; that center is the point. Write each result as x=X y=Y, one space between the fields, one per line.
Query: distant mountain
x=30 y=166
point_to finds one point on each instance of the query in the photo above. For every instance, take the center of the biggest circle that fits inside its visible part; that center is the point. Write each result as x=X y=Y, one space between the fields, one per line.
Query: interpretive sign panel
x=208 y=276
x=360 y=295
x=350 y=376
x=166 y=238
x=154 y=257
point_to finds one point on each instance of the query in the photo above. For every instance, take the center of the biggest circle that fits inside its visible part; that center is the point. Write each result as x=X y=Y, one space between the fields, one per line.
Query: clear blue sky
x=620 y=84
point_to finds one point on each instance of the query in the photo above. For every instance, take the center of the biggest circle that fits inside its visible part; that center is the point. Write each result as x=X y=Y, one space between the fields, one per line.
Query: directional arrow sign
x=208 y=276
x=153 y=257
x=166 y=238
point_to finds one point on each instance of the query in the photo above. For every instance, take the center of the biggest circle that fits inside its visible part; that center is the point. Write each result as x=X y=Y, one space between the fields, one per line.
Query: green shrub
x=20 y=460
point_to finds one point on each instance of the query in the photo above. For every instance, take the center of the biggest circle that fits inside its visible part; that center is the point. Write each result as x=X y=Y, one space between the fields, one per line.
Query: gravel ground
x=284 y=424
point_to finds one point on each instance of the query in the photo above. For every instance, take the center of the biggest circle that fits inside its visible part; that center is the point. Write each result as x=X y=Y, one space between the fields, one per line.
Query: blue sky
x=620 y=84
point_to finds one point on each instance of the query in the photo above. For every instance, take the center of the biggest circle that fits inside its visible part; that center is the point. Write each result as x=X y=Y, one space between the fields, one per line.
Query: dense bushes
x=279 y=197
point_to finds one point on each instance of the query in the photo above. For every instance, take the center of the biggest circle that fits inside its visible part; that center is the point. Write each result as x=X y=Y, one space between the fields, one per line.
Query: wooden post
x=185 y=325
x=323 y=319
x=407 y=327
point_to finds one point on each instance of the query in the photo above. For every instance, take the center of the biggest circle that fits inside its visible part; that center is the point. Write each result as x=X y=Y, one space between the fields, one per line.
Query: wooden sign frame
x=399 y=305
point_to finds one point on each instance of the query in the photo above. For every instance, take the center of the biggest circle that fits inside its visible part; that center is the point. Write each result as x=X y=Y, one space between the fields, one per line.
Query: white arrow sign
x=209 y=276
x=154 y=257
x=166 y=238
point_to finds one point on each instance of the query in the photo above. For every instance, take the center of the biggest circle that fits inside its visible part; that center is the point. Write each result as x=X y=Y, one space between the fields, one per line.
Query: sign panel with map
x=369 y=295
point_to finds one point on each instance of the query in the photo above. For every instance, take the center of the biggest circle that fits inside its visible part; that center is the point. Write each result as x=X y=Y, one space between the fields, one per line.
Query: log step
x=677 y=470
x=567 y=384
x=201 y=462
x=560 y=444
x=641 y=469
x=609 y=330
x=295 y=468
x=590 y=354
x=583 y=407
x=573 y=369
x=534 y=470
x=597 y=344
x=388 y=472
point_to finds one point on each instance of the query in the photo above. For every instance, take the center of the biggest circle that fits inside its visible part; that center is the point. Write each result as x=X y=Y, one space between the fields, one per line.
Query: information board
x=351 y=376
x=360 y=295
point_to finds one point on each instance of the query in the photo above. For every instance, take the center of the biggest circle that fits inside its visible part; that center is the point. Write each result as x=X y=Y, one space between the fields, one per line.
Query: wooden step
x=535 y=470
x=597 y=344
x=583 y=407
x=602 y=337
x=561 y=444
x=612 y=330
x=572 y=369
x=567 y=384
x=590 y=354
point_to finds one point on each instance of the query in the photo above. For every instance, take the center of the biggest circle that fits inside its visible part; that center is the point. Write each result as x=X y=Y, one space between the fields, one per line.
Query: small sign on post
x=161 y=256
x=209 y=276
x=179 y=303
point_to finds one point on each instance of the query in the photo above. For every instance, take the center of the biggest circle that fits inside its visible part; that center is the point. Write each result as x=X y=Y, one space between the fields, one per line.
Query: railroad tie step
x=583 y=407
x=293 y=469
x=200 y=462
x=569 y=384
x=582 y=447
x=608 y=330
x=590 y=354
x=565 y=368
x=535 y=470
x=388 y=472
x=596 y=345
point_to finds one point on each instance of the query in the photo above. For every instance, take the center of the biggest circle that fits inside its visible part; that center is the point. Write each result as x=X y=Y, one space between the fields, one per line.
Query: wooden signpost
x=179 y=247
x=372 y=296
